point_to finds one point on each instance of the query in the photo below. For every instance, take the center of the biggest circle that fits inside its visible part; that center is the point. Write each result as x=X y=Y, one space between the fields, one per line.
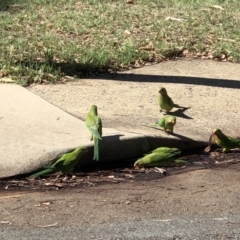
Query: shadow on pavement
x=175 y=79
x=112 y=138
x=179 y=113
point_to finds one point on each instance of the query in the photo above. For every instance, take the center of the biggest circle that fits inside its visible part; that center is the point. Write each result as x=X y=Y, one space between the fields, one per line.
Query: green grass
x=47 y=40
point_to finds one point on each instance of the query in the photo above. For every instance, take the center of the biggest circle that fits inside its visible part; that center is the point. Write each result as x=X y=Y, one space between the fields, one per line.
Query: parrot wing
x=65 y=163
x=92 y=123
x=176 y=151
x=155 y=160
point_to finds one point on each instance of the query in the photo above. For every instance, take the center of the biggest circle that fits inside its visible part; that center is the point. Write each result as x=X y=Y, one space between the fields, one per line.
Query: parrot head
x=137 y=164
x=162 y=91
x=217 y=132
x=93 y=109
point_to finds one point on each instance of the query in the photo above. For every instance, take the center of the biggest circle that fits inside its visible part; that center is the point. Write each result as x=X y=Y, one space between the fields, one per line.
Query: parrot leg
x=165 y=130
x=91 y=138
x=160 y=110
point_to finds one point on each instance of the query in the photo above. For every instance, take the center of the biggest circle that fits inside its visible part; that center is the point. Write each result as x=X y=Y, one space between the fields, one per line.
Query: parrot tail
x=96 y=144
x=43 y=172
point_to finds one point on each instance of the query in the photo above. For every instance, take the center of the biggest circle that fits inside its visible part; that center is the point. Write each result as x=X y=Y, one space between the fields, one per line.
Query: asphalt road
x=191 y=227
x=201 y=204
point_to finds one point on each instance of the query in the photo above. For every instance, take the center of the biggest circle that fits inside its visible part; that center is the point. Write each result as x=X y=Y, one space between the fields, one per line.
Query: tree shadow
x=226 y=83
x=97 y=71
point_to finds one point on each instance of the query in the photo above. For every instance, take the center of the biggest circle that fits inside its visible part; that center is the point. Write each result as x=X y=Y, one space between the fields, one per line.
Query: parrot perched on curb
x=94 y=124
x=223 y=141
x=166 y=122
x=64 y=164
x=161 y=157
x=165 y=102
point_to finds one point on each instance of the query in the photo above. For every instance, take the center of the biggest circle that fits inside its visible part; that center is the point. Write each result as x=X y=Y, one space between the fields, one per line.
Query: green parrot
x=166 y=122
x=223 y=141
x=94 y=124
x=64 y=164
x=165 y=102
x=161 y=157
x=167 y=150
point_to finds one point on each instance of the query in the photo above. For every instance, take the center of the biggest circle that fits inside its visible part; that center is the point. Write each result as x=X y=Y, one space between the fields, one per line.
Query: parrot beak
x=135 y=166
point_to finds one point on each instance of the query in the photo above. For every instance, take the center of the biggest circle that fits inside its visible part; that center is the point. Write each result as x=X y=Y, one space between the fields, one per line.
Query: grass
x=49 y=40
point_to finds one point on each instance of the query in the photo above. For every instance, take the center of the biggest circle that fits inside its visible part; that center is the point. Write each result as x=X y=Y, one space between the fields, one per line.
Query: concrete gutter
x=35 y=131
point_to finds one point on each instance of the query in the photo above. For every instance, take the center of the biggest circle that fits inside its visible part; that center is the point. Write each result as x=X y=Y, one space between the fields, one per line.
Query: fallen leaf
x=6 y=80
x=54 y=184
x=163 y=220
x=228 y=161
x=37 y=205
x=46 y=203
x=5 y=222
x=217 y=7
x=129 y=175
x=175 y=19
x=161 y=170
x=226 y=39
x=46 y=226
x=220 y=219
x=147 y=47
x=111 y=176
x=11 y=196
x=127 y=32
x=207 y=149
